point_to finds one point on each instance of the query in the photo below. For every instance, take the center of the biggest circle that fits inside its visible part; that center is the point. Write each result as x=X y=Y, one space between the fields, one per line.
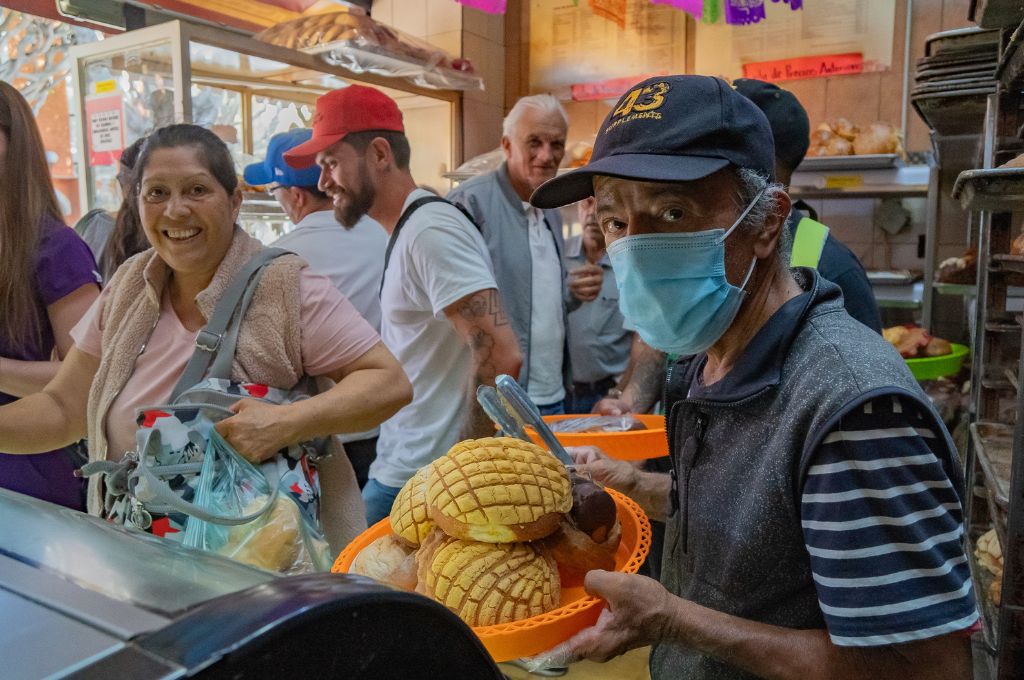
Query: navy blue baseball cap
x=273 y=169
x=670 y=129
x=791 y=129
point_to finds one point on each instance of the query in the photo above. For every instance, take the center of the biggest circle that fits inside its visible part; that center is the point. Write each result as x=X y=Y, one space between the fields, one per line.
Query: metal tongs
x=511 y=408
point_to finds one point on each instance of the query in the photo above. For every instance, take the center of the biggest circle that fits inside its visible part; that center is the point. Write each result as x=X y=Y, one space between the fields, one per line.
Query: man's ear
x=767 y=241
x=506 y=146
x=379 y=155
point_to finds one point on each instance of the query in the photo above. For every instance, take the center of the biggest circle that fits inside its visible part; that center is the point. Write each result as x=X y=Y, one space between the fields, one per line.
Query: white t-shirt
x=547 y=325
x=438 y=259
x=353 y=260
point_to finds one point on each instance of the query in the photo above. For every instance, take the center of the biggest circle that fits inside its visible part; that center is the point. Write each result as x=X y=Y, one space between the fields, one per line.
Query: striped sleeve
x=883 y=525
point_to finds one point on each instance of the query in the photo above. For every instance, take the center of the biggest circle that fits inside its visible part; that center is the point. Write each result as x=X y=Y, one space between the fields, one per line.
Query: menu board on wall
x=822 y=27
x=569 y=44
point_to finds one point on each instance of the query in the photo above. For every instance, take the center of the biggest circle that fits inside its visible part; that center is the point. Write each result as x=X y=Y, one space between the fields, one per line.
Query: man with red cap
x=440 y=310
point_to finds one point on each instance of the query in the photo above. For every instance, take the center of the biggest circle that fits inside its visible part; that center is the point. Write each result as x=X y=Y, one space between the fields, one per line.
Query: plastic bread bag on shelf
x=354 y=41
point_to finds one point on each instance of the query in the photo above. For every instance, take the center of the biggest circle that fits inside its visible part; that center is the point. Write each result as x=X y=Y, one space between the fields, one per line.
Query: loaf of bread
x=498 y=490
x=487 y=583
x=389 y=561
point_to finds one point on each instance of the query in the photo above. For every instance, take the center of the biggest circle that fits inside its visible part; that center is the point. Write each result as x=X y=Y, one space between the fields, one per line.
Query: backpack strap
x=406 y=214
x=217 y=340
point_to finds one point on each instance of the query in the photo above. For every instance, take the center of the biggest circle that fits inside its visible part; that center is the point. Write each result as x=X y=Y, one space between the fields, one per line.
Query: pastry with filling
x=589 y=535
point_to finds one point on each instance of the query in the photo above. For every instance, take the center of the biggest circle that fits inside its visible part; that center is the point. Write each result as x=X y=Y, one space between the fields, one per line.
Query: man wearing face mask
x=814 y=505
x=351 y=257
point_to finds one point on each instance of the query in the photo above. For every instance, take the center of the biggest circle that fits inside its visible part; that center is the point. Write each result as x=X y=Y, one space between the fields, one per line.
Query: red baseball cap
x=351 y=109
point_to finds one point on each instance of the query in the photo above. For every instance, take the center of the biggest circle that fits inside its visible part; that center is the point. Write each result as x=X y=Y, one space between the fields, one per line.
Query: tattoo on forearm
x=484 y=303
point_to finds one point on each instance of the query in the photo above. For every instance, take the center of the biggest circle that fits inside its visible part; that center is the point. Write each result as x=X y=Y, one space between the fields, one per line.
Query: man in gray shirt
x=526 y=245
x=599 y=337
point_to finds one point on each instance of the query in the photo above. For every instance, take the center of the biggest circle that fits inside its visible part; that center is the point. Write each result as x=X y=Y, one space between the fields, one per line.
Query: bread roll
x=498 y=490
x=878 y=138
x=487 y=583
x=1015 y=162
x=937 y=347
x=844 y=128
x=1017 y=245
x=276 y=544
x=838 y=146
x=389 y=561
x=410 y=519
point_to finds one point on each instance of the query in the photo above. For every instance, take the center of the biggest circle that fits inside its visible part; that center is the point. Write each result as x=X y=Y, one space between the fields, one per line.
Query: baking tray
x=961 y=40
x=1011 y=63
x=953 y=112
x=1006 y=263
x=1011 y=375
x=993 y=442
x=873 y=161
x=983 y=579
x=901 y=276
x=998 y=189
x=961 y=289
x=996 y=13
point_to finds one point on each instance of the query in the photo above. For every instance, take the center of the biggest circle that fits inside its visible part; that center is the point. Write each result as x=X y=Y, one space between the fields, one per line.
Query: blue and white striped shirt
x=883 y=526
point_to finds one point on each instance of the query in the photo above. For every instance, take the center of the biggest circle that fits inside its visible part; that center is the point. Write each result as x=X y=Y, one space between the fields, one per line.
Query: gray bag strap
x=218 y=338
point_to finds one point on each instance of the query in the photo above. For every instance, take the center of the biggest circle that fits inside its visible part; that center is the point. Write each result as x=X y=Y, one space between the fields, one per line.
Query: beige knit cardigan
x=268 y=353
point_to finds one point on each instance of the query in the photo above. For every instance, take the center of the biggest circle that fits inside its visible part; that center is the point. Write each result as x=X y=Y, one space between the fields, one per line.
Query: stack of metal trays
x=954 y=78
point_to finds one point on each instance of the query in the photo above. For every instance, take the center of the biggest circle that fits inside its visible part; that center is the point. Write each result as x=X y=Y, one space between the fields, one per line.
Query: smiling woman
x=134 y=343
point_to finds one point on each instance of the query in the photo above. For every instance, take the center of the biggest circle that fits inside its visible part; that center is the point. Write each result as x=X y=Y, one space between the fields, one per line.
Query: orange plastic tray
x=634 y=445
x=578 y=610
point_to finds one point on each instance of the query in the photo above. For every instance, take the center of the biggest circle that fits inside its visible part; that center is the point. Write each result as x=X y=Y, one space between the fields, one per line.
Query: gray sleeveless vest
x=734 y=541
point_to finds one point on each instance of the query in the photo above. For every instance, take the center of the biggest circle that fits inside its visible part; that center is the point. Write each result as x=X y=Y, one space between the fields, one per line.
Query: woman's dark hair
x=127 y=236
x=28 y=199
x=213 y=153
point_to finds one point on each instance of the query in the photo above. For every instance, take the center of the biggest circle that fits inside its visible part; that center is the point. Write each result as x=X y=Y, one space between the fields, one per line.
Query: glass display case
x=243 y=90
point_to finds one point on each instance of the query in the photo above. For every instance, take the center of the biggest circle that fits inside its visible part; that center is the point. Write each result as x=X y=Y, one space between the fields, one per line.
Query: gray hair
x=544 y=103
x=752 y=183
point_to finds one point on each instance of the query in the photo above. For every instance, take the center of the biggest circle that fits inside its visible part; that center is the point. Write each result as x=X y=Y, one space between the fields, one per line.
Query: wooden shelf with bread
x=995 y=500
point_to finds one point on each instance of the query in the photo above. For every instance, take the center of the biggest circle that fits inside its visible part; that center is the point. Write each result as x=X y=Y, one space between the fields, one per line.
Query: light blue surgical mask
x=673 y=288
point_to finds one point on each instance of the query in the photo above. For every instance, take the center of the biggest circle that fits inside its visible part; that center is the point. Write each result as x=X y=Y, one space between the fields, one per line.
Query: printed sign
x=607 y=89
x=805 y=67
x=104 y=115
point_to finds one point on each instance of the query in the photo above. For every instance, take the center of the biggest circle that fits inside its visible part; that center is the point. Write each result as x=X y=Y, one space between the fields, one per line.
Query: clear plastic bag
x=281 y=539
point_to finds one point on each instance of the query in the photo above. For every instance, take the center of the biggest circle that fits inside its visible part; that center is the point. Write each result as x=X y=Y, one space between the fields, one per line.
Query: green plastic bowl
x=930 y=368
